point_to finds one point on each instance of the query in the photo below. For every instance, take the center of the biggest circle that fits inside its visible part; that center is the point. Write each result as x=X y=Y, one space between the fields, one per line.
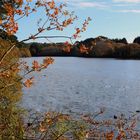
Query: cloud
x=92 y=4
x=85 y=3
x=129 y=11
x=128 y=1
x=127 y=6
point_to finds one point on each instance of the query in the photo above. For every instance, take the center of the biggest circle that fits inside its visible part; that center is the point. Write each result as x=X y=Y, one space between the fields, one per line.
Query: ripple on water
x=78 y=85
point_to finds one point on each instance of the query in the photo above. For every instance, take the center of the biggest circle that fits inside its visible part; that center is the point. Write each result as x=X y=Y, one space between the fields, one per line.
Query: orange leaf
x=28 y=83
x=47 y=61
x=56 y=11
x=0 y=21
x=35 y=65
x=110 y=135
x=51 y=4
x=77 y=31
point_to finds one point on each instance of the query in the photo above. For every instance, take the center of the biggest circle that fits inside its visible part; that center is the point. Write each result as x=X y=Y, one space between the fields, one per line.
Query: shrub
x=11 y=126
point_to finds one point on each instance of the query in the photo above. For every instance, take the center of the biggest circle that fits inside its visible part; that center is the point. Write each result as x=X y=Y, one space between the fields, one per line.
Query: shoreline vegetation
x=99 y=47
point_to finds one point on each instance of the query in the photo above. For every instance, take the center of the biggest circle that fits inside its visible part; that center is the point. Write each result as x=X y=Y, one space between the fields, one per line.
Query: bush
x=10 y=94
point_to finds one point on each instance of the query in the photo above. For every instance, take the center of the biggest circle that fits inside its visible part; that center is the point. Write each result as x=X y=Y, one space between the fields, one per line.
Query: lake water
x=84 y=85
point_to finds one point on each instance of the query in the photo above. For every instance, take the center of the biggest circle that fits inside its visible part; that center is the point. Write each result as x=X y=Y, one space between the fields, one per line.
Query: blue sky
x=110 y=18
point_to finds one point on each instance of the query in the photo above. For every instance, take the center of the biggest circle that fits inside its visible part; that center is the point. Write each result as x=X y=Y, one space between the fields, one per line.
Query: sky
x=110 y=18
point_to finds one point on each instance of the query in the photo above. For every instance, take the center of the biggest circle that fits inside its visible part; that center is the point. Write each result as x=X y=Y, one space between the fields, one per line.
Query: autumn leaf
x=51 y=4
x=78 y=30
x=19 y=12
x=47 y=61
x=29 y=0
x=28 y=83
x=0 y=21
x=35 y=65
x=56 y=11
x=110 y=135
x=42 y=127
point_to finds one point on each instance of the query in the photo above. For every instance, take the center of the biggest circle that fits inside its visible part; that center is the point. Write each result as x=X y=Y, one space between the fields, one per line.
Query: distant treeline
x=99 y=47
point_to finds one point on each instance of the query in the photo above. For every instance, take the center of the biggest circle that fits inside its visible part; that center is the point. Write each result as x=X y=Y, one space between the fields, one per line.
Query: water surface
x=83 y=85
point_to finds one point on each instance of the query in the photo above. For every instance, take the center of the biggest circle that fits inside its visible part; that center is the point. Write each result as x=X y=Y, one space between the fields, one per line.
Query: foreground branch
x=46 y=37
x=6 y=53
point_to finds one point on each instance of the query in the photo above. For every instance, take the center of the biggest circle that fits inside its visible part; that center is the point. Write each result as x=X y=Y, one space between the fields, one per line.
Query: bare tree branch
x=6 y=53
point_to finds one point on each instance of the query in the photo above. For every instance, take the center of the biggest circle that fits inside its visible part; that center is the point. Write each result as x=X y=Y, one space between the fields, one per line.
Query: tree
x=12 y=3
x=137 y=40
x=11 y=11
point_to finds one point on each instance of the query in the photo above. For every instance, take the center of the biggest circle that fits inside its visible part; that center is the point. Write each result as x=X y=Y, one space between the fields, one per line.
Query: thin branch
x=45 y=22
x=22 y=77
x=23 y=16
x=6 y=53
x=46 y=37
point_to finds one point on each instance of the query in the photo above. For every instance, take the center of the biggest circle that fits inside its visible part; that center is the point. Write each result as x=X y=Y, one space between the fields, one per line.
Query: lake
x=84 y=85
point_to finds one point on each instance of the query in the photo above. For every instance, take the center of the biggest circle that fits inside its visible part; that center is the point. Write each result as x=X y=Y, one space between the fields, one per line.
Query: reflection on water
x=82 y=85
